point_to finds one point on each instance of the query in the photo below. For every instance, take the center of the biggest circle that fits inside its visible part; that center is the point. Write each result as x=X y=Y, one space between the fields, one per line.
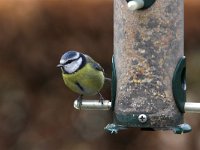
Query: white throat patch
x=73 y=66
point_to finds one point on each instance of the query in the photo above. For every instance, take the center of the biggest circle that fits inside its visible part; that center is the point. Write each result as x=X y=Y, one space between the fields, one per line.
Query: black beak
x=59 y=65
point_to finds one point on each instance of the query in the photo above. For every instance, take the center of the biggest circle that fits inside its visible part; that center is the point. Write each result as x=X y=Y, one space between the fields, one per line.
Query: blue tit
x=82 y=74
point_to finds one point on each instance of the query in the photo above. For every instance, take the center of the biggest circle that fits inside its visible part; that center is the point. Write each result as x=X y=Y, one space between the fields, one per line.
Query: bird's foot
x=79 y=99
x=100 y=98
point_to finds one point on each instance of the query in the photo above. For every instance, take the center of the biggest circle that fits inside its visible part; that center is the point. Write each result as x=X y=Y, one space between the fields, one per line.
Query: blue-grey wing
x=94 y=64
x=98 y=67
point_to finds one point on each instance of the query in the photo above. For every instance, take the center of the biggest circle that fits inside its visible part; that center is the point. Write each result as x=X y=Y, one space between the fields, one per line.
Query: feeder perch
x=149 y=67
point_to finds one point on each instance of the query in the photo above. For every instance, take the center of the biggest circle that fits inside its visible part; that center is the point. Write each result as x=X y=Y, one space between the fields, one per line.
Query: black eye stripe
x=69 y=61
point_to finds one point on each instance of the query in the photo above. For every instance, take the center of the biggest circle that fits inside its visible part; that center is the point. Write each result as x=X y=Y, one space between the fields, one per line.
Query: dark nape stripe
x=83 y=61
x=79 y=86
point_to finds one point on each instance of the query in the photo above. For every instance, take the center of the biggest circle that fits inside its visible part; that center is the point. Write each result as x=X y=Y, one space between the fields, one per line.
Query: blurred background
x=36 y=109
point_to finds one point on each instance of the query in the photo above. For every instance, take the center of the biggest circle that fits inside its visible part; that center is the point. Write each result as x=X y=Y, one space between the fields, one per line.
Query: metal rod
x=92 y=105
x=192 y=107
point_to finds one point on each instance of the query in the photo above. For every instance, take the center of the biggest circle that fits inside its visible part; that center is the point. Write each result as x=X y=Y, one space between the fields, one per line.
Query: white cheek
x=73 y=66
x=70 y=68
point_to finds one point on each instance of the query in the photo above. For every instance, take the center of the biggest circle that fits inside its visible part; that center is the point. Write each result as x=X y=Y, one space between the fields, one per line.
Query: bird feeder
x=149 y=67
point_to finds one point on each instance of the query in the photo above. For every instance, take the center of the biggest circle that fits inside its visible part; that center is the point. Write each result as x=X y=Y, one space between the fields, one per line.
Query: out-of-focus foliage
x=36 y=109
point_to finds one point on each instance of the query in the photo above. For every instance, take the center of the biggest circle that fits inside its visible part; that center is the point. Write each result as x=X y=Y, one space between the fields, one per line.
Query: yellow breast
x=86 y=81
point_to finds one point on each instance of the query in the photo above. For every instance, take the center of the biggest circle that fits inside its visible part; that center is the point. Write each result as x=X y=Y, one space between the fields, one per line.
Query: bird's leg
x=100 y=98
x=79 y=99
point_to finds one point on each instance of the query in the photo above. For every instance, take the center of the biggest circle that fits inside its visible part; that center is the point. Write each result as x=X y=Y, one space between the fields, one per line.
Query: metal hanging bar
x=192 y=107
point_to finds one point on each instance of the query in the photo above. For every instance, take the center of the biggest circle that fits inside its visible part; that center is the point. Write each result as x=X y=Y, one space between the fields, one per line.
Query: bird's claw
x=79 y=99
x=100 y=98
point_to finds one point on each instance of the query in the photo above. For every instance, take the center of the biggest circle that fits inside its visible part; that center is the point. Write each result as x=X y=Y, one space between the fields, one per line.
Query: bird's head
x=71 y=62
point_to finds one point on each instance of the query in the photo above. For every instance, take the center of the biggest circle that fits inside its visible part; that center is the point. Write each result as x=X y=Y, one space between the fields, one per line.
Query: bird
x=82 y=74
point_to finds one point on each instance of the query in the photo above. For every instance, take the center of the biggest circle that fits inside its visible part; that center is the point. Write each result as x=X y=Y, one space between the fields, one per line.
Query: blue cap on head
x=69 y=56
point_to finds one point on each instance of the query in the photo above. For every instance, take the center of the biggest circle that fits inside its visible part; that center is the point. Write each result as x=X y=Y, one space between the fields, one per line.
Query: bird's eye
x=69 y=61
